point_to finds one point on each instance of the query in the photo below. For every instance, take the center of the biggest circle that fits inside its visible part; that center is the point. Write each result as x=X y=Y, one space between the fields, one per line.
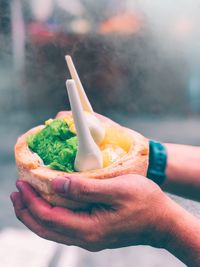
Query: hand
x=128 y=210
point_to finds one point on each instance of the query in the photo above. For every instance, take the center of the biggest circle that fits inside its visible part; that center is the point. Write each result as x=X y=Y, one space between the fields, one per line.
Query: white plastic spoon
x=88 y=156
x=83 y=97
x=96 y=128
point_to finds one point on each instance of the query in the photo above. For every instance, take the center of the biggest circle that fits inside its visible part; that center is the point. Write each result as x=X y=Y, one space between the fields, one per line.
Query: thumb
x=106 y=191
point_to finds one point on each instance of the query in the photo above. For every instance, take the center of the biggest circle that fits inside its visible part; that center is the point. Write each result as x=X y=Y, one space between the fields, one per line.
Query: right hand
x=128 y=210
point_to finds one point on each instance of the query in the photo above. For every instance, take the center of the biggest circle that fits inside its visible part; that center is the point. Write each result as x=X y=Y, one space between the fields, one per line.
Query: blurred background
x=139 y=62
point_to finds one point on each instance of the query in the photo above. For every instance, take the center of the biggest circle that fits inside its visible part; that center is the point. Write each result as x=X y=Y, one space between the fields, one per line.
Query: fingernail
x=19 y=185
x=61 y=185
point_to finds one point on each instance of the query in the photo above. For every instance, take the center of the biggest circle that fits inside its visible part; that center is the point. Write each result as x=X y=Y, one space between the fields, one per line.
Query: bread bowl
x=39 y=176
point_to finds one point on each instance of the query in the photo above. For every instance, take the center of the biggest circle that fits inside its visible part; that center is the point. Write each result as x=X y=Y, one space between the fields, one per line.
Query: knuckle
x=88 y=190
x=80 y=191
x=85 y=191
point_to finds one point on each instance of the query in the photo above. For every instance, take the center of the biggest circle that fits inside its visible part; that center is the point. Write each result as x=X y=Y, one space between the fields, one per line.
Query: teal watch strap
x=157 y=162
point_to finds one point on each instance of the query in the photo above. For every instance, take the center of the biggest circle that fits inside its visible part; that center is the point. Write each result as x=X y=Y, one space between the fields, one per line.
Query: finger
x=17 y=201
x=71 y=222
x=29 y=221
x=105 y=191
x=62 y=114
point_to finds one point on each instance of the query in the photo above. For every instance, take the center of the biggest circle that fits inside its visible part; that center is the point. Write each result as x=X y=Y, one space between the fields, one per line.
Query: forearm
x=183 y=170
x=183 y=239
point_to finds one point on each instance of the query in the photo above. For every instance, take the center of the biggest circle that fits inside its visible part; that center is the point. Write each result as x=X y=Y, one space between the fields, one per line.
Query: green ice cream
x=56 y=145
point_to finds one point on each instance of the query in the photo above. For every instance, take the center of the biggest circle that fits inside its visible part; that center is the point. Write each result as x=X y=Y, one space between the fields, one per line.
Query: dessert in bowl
x=78 y=142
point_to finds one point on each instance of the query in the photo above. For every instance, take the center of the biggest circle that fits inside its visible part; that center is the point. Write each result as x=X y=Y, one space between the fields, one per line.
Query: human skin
x=127 y=210
x=183 y=171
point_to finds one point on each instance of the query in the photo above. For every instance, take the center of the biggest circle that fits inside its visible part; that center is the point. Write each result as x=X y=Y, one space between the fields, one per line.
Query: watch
x=157 y=162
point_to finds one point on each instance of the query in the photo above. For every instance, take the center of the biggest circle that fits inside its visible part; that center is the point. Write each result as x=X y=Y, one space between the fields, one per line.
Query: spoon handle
x=83 y=97
x=88 y=156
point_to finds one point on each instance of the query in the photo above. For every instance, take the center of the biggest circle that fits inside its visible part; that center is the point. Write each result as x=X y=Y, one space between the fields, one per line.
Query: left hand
x=128 y=210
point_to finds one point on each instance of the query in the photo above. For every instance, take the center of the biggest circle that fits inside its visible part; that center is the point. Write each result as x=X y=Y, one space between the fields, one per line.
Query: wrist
x=182 y=234
x=163 y=222
x=183 y=171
